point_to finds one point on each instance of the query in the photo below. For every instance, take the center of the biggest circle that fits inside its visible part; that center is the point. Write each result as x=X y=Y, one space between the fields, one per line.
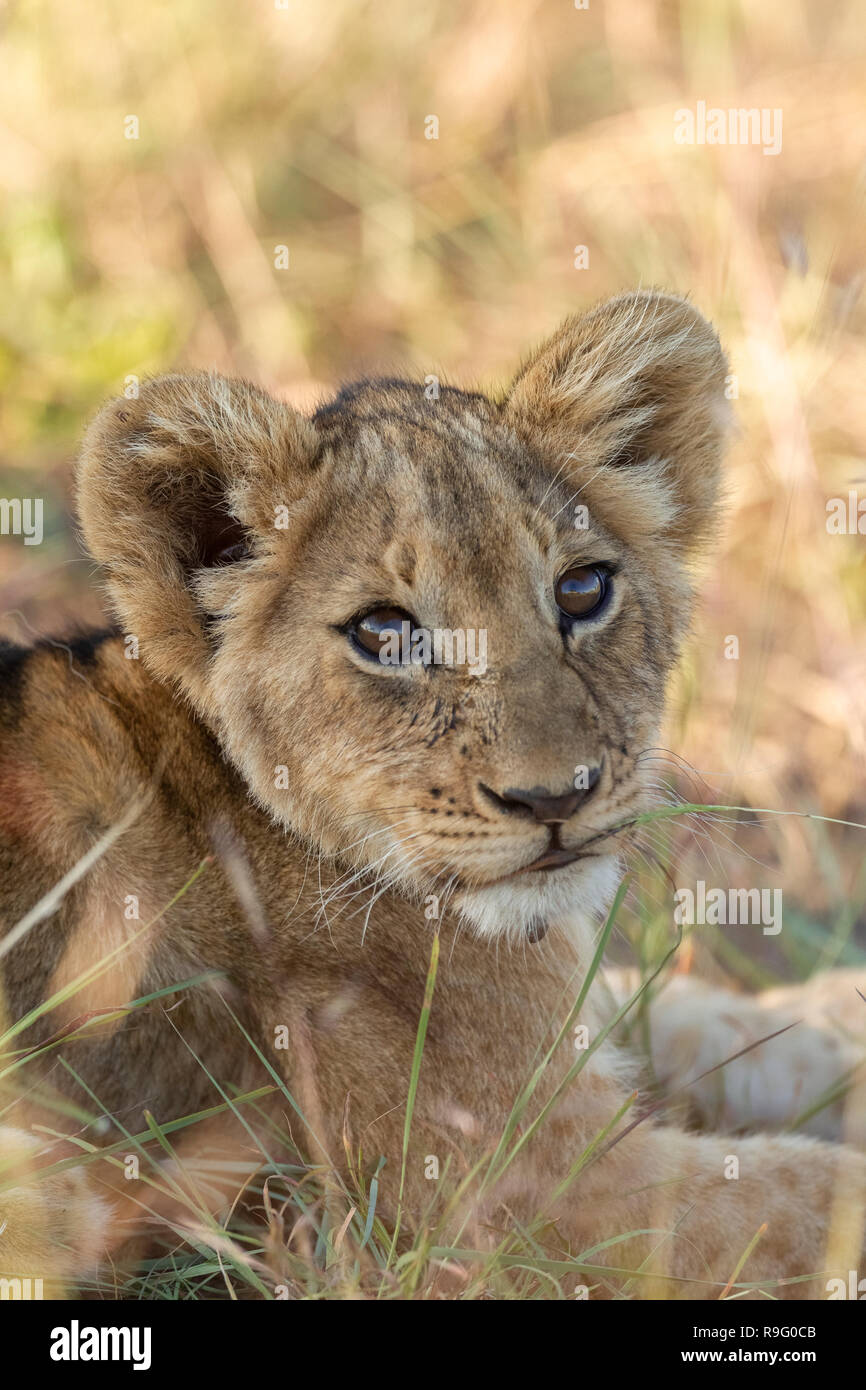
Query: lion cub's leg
x=814 y=1074
x=673 y=1214
x=52 y=1228
x=63 y=1227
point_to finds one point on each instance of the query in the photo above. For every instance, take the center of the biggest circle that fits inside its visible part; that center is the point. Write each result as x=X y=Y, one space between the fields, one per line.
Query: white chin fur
x=567 y=899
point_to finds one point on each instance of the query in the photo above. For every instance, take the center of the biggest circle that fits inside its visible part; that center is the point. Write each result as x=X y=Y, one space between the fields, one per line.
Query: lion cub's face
x=432 y=633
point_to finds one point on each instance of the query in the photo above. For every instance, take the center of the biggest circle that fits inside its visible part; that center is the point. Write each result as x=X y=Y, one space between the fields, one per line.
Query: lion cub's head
x=431 y=629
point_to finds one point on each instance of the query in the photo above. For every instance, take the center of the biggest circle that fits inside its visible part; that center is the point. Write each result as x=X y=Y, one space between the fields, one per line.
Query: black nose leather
x=542 y=804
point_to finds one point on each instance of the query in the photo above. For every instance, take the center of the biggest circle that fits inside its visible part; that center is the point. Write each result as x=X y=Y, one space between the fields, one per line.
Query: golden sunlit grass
x=304 y=127
x=316 y=1234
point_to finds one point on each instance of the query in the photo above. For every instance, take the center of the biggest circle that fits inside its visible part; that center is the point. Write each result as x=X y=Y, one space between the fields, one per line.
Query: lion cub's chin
x=523 y=910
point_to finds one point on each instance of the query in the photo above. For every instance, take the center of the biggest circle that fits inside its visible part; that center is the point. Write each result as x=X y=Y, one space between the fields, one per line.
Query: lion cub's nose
x=545 y=807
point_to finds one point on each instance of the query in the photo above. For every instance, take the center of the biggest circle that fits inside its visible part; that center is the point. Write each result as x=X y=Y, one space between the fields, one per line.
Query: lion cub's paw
x=813 y=1074
x=52 y=1229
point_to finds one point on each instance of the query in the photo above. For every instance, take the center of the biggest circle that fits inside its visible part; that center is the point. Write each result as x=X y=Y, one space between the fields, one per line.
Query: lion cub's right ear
x=628 y=401
x=186 y=476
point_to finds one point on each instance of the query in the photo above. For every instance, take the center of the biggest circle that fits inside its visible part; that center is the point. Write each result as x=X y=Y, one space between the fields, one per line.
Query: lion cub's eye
x=381 y=630
x=581 y=591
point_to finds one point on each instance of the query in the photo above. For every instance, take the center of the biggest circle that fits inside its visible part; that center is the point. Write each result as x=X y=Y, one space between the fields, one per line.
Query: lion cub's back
x=99 y=761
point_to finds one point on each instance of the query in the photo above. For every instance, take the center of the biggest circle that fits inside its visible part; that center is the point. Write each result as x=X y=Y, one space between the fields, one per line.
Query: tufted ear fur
x=629 y=400
x=183 y=478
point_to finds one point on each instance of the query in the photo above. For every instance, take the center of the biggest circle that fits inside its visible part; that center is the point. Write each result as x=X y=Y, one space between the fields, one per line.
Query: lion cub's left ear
x=184 y=478
x=629 y=401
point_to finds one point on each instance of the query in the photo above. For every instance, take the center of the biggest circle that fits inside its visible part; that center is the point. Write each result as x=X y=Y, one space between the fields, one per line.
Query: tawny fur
x=249 y=738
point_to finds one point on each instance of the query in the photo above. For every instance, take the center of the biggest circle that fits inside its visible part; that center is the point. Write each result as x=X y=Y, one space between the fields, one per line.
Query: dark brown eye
x=581 y=591
x=381 y=633
x=230 y=554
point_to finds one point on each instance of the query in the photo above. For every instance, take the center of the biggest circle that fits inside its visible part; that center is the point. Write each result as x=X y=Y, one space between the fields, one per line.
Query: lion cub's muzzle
x=542 y=805
x=547 y=808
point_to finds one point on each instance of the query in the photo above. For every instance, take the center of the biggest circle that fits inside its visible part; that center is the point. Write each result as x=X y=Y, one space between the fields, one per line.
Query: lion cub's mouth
x=554 y=856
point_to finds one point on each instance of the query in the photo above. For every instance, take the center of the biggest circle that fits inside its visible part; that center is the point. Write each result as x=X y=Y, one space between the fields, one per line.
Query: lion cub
x=382 y=678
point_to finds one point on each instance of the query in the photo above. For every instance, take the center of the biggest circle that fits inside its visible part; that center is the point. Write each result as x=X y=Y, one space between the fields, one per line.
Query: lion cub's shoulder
x=85 y=732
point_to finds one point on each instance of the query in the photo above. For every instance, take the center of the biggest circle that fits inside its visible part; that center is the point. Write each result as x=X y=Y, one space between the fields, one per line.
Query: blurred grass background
x=303 y=126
